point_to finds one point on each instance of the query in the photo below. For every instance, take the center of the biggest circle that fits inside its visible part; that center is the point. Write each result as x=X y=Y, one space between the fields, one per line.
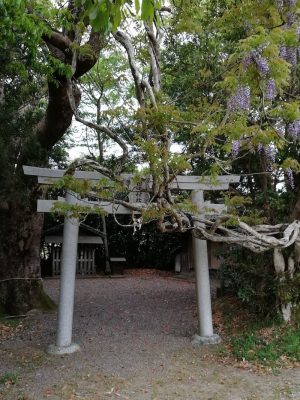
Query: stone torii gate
x=195 y=184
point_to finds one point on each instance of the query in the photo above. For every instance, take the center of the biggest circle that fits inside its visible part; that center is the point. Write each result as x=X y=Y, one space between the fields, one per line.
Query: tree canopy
x=219 y=78
x=222 y=86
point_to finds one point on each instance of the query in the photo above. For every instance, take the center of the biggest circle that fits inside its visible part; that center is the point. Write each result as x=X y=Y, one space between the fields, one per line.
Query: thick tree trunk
x=285 y=270
x=20 y=225
x=20 y=280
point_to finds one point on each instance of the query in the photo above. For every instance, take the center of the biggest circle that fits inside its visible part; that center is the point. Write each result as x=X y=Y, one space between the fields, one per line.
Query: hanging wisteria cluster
x=287 y=3
x=240 y=100
x=255 y=57
x=269 y=150
x=288 y=53
x=270 y=153
x=235 y=148
x=290 y=177
x=293 y=129
x=280 y=5
x=260 y=148
x=270 y=90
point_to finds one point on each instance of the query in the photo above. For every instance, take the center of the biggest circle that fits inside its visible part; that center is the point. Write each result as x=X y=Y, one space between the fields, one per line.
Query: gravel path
x=135 y=338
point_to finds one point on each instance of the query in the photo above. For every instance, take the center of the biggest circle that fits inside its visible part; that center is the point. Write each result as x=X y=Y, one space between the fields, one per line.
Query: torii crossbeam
x=195 y=184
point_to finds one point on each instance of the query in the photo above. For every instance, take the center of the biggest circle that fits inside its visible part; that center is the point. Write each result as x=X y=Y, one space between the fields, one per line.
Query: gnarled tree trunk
x=20 y=224
x=285 y=271
x=21 y=286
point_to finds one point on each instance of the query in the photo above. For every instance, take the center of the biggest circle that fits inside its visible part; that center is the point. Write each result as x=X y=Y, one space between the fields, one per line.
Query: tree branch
x=248 y=236
x=140 y=84
x=79 y=162
x=111 y=134
x=154 y=52
x=87 y=59
x=59 y=113
x=58 y=40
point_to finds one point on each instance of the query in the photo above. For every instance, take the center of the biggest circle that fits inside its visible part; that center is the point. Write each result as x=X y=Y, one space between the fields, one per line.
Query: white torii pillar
x=63 y=344
x=205 y=334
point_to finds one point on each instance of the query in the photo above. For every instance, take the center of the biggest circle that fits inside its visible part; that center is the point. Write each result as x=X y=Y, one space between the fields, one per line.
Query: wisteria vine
x=240 y=100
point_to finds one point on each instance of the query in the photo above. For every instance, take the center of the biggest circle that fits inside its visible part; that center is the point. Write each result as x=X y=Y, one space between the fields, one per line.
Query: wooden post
x=106 y=251
x=205 y=334
x=64 y=343
x=178 y=263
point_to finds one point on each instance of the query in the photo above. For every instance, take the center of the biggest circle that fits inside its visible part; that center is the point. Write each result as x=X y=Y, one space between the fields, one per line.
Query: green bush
x=251 y=278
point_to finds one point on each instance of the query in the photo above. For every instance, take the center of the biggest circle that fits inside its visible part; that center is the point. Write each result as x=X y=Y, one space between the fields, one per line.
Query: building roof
x=87 y=234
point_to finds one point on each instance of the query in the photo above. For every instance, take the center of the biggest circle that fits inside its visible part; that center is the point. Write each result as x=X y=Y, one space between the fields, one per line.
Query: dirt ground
x=135 y=335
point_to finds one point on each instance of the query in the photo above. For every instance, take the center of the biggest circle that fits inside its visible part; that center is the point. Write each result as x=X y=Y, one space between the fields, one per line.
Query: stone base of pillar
x=205 y=340
x=58 y=350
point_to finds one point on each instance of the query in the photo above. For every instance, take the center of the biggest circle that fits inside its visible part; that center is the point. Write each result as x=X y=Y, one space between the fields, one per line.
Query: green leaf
x=137 y=6
x=147 y=10
x=93 y=12
x=101 y=23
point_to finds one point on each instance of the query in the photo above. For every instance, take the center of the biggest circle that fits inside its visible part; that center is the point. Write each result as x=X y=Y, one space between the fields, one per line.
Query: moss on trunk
x=21 y=287
x=18 y=296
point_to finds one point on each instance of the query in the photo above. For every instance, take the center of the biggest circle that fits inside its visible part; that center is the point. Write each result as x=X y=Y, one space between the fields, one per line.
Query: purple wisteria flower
x=289 y=54
x=293 y=129
x=291 y=3
x=262 y=65
x=260 y=148
x=270 y=91
x=270 y=153
x=290 y=19
x=235 y=149
x=248 y=60
x=240 y=100
x=290 y=177
x=255 y=57
x=282 y=52
x=280 y=129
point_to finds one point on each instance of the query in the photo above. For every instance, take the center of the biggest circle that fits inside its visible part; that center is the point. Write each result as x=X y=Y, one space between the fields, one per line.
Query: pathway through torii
x=196 y=184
